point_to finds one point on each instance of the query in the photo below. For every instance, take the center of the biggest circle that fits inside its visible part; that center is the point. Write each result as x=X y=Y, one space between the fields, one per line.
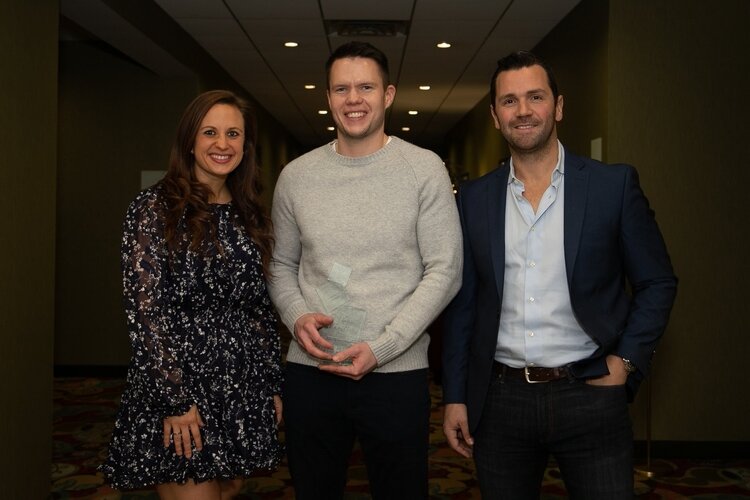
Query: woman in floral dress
x=202 y=398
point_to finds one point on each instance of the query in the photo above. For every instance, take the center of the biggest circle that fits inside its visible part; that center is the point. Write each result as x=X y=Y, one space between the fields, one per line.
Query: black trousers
x=387 y=412
x=586 y=428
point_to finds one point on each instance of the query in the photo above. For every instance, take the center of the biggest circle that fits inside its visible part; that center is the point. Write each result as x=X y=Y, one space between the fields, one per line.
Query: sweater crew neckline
x=354 y=161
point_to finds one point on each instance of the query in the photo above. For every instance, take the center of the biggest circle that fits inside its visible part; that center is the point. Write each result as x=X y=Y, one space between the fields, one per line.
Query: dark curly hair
x=188 y=198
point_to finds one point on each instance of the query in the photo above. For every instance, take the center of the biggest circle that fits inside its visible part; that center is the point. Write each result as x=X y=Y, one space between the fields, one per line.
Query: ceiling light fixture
x=309 y=86
x=424 y=87
x=413 y=112
x=405 y=129
x=322 y=112
x=331 y=129
x=290 y=44
x=443 y=45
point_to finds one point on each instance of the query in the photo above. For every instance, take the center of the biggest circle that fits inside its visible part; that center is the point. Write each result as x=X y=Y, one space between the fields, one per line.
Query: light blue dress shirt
x=537 y=324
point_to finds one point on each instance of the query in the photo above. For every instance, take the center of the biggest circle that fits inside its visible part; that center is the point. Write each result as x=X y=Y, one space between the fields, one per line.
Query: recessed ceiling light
x=309 y=86
x=413 y=112
x=424 y=87
x=443 y=45
x=322 y=111
x=290 y=44
x=331 y=128
x=405 y=129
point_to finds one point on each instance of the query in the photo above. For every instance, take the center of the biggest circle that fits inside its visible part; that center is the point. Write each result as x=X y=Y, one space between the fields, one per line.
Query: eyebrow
x=539 y=90
x=356 y=84
x=213 y=127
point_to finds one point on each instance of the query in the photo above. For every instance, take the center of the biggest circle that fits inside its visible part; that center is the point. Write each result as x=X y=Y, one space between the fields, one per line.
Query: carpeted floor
x=85 y=407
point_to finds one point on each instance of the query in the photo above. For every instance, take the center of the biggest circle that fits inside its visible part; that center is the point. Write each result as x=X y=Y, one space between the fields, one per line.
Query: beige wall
x=474 y=147
x=577 y=51
x=116 y=119
x=28 y=141
x=664 y=84
x=679 y=76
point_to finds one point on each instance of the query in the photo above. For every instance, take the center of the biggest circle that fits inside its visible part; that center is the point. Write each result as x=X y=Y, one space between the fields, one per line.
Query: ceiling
x=246 y=37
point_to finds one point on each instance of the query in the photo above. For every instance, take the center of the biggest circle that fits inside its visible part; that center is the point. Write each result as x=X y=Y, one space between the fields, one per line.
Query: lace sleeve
x=152 y=318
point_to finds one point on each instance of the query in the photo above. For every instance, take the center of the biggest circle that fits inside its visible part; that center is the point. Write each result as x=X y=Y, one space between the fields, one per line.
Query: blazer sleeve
x=459 y=318
x=649 y=271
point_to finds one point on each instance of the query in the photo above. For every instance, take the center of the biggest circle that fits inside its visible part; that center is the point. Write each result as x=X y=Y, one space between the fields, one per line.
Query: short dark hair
x=359 y=49
x=517 y=60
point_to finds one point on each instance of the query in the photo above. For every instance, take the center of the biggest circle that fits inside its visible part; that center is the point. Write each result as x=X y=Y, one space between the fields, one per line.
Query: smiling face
x=218 y=145
x=525 y=110
x=358 y=98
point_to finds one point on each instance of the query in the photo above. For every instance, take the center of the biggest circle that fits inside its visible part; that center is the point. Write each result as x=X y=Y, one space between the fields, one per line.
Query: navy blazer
x=619 y=275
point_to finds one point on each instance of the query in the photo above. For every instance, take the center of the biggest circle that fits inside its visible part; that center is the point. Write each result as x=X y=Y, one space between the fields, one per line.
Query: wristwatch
x=629 y=366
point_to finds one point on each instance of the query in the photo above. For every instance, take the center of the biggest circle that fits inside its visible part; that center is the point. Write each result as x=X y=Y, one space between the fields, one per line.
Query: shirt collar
x=557 y=173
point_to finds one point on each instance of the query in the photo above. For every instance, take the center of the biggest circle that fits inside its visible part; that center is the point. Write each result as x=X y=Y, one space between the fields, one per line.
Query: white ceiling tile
x=246 y=38
x=275 y=9
x=464 y=10
x=201 y=9
x=380 y=10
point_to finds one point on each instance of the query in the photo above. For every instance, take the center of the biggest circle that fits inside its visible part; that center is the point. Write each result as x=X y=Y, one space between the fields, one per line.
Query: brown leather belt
x=531 y=374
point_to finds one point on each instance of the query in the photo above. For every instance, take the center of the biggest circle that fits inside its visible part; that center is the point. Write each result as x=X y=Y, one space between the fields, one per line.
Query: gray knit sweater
x=389 y=221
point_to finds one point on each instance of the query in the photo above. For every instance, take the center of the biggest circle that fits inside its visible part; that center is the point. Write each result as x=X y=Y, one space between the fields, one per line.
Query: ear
x=559 y=108
x=390 y=95
x=494 y=117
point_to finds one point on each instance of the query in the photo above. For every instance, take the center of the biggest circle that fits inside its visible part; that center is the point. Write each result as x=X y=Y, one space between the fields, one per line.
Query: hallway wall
x=28 y=141
x=116 y=119
x=678 y=80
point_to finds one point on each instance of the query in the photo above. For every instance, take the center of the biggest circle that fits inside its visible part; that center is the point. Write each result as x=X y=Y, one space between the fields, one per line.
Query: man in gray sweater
x=368 y=253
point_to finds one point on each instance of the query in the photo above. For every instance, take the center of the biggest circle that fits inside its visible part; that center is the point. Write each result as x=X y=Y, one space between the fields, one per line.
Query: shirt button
x=532 y=264
x=531 y=299
x=531 y=334
x=531 y=364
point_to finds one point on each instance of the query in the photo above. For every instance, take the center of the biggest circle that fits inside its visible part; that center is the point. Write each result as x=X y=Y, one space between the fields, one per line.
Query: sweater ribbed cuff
x=293 y=313
x=383 y=349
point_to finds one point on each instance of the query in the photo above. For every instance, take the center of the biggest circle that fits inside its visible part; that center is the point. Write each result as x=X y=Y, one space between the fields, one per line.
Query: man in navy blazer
x=567 y=288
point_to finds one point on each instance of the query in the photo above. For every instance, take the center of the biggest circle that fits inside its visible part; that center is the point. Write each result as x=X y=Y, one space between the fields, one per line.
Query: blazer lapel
x=496 y=198
x=576 y=191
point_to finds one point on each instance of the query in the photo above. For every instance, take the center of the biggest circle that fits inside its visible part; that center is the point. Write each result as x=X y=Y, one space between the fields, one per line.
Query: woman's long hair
x=188 y=198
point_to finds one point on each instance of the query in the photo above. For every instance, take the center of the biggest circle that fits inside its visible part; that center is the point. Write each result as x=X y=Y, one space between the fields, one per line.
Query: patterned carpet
x=84 y=410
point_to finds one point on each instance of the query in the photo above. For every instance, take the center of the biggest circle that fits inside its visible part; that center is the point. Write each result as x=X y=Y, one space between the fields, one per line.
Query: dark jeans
x=586 y=428
x=387 y=412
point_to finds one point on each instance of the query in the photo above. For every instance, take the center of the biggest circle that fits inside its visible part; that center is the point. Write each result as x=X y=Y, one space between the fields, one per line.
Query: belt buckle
x=528 y=379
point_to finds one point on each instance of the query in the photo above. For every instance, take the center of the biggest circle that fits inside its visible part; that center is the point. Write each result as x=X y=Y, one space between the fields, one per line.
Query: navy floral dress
x=203 y=332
